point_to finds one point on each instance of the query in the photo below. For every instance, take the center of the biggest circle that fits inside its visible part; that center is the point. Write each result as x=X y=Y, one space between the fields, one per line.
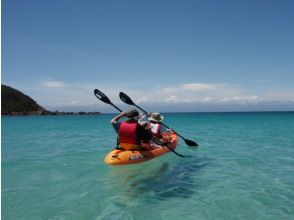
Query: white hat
x=157 y=117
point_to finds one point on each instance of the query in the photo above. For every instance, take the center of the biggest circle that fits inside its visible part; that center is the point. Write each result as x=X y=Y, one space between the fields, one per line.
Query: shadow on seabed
x=165 y=181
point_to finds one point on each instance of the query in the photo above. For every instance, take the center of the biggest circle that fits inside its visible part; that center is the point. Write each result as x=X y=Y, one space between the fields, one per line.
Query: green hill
x=15 y=102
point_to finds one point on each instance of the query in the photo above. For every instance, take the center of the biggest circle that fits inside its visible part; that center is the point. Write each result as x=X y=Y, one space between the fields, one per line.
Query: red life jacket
x=127 y=133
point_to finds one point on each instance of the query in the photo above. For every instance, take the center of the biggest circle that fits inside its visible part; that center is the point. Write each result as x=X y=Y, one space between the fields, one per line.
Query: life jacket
x=154 y=128
x=127 y=134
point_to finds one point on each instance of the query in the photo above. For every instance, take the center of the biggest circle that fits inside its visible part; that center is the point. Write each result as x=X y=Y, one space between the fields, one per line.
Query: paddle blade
x=100 y=95
x=191 y=143
x=126 y=99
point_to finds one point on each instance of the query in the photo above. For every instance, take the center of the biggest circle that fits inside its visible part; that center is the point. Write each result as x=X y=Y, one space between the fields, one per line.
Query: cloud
x=201 y=86
x=241 y=99
x=164 y=98
x=264 y=80
x=54 y=84
x=216 y=94
x=143 y=100
x=208 y=100
x=172 y=99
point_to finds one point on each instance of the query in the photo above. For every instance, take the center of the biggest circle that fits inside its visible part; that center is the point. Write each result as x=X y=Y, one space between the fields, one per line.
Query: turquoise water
x=52 y=168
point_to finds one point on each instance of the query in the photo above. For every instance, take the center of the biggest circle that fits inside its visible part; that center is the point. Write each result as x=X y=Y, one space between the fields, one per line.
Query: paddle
x=100 y=95
x=126 y=99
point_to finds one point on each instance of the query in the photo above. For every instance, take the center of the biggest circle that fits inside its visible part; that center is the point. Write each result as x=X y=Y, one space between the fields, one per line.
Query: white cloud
x=201 y=86
x=194 y=95
x=54 y=84
x=172 y=99
x=281 y=95
x=241 y=99
x=264 y=80
x=143 y=100
x=208 y=100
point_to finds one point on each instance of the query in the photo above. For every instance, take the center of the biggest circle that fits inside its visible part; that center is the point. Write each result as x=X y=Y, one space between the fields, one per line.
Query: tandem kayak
x=123 y=157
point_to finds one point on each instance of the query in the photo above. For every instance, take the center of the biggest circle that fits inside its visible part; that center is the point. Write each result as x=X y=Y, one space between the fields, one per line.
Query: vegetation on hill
x=13 y=100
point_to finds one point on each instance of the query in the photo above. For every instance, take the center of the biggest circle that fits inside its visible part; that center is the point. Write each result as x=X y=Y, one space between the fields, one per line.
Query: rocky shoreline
x=42 y=113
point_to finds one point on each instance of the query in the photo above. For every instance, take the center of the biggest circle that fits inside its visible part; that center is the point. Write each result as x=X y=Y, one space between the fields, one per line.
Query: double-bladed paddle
x=126 y=99
x=100 y=95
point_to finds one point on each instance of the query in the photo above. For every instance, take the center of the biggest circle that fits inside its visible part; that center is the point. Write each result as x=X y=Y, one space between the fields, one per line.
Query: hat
x=157 y=117
x=132 y=113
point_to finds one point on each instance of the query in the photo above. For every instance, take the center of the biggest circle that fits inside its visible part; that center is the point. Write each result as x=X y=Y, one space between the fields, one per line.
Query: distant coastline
x=16 y=103
x=44 y=113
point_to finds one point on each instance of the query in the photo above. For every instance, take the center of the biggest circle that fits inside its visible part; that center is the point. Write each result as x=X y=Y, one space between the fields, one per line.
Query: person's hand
x=149 y=114
x=123 y=114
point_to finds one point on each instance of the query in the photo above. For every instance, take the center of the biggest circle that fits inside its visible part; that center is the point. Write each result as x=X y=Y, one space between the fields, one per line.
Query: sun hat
x=132 y=113
x=157 y=117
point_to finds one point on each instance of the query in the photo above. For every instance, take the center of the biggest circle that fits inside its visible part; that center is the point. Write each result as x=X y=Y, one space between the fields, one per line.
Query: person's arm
x=116 y=118
x=142 y=121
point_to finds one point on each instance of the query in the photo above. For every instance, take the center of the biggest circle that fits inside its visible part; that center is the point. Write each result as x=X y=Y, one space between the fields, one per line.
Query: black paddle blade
x=126 y=99
x=191 y=143
x=100 y=95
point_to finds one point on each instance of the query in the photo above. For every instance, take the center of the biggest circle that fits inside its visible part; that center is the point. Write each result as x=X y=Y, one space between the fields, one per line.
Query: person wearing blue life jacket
x=131 y=135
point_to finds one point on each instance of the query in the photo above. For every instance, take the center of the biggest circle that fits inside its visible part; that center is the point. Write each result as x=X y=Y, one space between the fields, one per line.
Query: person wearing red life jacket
x=130 y=133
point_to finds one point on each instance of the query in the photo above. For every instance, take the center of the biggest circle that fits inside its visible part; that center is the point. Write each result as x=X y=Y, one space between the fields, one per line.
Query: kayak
x=123 y=157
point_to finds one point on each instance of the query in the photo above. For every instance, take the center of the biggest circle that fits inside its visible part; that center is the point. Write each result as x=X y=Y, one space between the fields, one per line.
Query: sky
x=167 y=55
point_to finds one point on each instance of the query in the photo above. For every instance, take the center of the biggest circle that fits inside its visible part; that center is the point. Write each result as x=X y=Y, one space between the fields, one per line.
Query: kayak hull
x=123 y=157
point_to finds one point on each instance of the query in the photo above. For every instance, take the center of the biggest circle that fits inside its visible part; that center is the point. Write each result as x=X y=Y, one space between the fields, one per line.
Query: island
x=14 y=103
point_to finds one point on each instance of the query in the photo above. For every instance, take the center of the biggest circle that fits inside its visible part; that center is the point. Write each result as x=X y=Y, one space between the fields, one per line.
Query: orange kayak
x=122 y=157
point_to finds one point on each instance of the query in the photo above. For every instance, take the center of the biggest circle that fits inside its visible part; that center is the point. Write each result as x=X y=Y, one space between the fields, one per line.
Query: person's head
x=132 y=114
x=156 y=117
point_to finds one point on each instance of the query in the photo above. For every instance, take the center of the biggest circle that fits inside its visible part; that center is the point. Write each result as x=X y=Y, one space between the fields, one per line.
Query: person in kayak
x=152 y=123
x=130 y=134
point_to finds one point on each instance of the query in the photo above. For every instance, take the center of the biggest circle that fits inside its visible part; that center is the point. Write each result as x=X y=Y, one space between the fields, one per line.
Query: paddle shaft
x=116 y=107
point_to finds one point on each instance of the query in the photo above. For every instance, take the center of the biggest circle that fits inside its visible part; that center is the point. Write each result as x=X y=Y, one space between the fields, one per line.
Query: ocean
x=52 y=168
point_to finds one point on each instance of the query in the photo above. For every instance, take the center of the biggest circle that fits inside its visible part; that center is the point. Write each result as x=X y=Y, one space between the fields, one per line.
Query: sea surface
x=52 y=168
